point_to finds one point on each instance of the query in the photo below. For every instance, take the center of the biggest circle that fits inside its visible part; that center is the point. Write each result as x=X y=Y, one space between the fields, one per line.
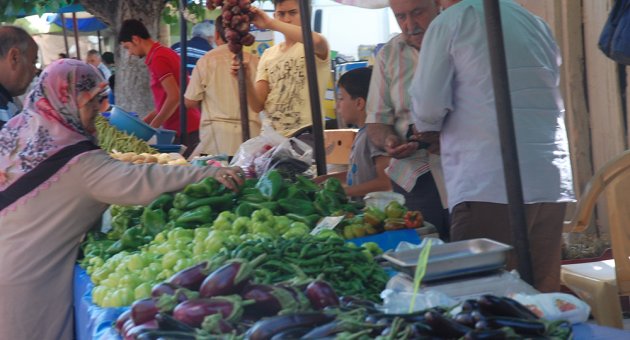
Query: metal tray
x=453 y=259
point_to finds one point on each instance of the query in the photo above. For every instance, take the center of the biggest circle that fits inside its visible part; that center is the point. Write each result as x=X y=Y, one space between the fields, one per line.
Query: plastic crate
x=389 y=240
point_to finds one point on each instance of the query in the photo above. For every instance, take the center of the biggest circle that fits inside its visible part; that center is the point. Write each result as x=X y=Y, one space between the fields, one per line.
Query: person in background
x=62 y=56
x=94 y=58
x=412 y=171
x=18 y=58
x=213 y=89
x=367 y=163
x=163 y=64
x=54 y=184
x=201 y=42
x=108 y=60
x=281 y=87
x=454 y=103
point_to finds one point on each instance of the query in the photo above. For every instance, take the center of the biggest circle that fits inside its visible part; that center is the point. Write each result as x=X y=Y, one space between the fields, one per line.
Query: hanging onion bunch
x=236 y=18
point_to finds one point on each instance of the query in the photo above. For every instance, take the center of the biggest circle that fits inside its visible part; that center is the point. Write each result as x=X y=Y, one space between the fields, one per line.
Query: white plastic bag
x=256 y=147
x=555 y=306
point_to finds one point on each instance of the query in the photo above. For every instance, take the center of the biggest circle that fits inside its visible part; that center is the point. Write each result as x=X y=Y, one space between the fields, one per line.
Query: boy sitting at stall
x=366 y=169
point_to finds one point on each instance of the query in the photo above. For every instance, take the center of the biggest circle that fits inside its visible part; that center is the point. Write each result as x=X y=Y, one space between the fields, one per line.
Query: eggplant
x=135 y=331
x=193 y=312
x=143 y=310
x=269 y=300
x=497 y=306
x=229 y=278
x=465 y=319
x=163 y=288
x=170 y=335
x=291 y=333
x=166 y=302
x=191 y=277
x=120 y=321
x=265 y=329
x=214 y=324
x=321 y=294
x=127 y=326
x=168 y=323
x=486 y=334
x=445 y=327
x=299 y=303
x=470 y=305
x=329 y=329
x=353 y=301
x=520 y=326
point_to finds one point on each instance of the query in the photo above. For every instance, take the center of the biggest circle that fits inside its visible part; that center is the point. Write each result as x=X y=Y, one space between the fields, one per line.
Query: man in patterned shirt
x=389 y=109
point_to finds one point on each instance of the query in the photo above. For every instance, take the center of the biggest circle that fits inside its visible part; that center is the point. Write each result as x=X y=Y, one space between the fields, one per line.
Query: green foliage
x=18 y=8
x=195 y=12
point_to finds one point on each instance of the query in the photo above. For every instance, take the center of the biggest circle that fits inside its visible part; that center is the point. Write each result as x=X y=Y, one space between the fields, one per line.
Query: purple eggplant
x=498 y=306
x=193 y=312
x=143 y=310
x=444 y=326
x=191 y=277
x=215 y=324
x=267 y=300
x=135 y=331
x=166 y=302
x=229 y=278
x=120 y=321
x=162 y=289
x=267 y=328
x=321 y=294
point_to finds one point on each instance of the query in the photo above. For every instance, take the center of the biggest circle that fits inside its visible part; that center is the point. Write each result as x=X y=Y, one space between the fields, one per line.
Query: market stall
x=284 y=256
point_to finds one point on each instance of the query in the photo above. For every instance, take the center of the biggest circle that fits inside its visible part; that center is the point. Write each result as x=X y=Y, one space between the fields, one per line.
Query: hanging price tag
x=329 y=223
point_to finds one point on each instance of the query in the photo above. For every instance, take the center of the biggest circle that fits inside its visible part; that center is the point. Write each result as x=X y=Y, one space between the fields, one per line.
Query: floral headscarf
x=49 y=130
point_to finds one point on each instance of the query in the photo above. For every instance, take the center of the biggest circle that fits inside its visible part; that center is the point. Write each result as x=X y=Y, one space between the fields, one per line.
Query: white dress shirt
x=452 y=93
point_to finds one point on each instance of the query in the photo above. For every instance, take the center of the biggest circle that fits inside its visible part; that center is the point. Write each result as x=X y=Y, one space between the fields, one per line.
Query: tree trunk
x=132 y=78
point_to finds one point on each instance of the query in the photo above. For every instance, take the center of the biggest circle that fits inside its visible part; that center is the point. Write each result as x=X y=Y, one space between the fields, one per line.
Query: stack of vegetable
x=110 y=139
x=225 y=304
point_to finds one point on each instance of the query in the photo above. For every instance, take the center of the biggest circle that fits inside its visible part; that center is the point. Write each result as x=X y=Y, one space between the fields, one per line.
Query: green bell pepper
x=297 y=206
x=199 y=215
x=182 y=200
x=310 y=220
x=164 y=202
x=153 y=221
x=306 y=184
x=206 y=187
x=270 y=184
x=174 y=213
x=132 y=238
x=225 y=201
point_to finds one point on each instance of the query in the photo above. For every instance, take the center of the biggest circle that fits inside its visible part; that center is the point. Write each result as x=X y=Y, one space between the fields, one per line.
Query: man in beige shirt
x=212 y=88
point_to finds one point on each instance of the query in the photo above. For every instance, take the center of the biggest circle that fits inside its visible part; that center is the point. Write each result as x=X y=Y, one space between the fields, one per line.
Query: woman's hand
x=232 y=177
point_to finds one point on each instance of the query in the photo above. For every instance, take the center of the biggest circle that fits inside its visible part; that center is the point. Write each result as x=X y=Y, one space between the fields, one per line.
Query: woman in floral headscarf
x=54 y=184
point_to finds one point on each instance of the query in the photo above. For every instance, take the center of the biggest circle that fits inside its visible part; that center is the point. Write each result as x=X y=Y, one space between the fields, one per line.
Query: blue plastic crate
x=389 y=240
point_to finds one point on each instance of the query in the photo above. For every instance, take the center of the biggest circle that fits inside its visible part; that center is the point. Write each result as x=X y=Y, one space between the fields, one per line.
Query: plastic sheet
x=90 y=320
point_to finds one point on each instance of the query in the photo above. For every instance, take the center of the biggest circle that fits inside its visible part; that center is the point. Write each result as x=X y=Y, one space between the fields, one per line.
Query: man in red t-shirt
x=163 y=64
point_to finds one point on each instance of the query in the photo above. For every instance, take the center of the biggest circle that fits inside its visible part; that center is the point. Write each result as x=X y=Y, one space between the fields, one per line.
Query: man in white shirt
x=453 y=99
x=388 y=122
x=94 y=58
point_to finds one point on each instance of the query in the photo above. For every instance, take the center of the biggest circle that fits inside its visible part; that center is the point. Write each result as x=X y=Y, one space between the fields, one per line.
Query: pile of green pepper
x=349 y=269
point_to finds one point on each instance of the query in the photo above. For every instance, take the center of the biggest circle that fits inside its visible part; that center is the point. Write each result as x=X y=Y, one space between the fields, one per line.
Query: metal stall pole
x=65 y=34
x=313 y=89
x=507 y=137
x=242 y=96
x=183 y=44
x=100 y=45
x=75 y=27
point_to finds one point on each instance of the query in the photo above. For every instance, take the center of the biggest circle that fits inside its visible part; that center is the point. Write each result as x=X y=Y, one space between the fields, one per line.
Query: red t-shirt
x=162 y=62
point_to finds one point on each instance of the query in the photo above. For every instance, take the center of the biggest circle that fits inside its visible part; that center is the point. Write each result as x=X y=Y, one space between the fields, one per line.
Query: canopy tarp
x=85 y=22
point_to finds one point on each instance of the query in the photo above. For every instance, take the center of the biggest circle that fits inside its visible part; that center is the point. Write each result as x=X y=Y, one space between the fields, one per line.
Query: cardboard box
x=338 y=145
x=596 y=284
